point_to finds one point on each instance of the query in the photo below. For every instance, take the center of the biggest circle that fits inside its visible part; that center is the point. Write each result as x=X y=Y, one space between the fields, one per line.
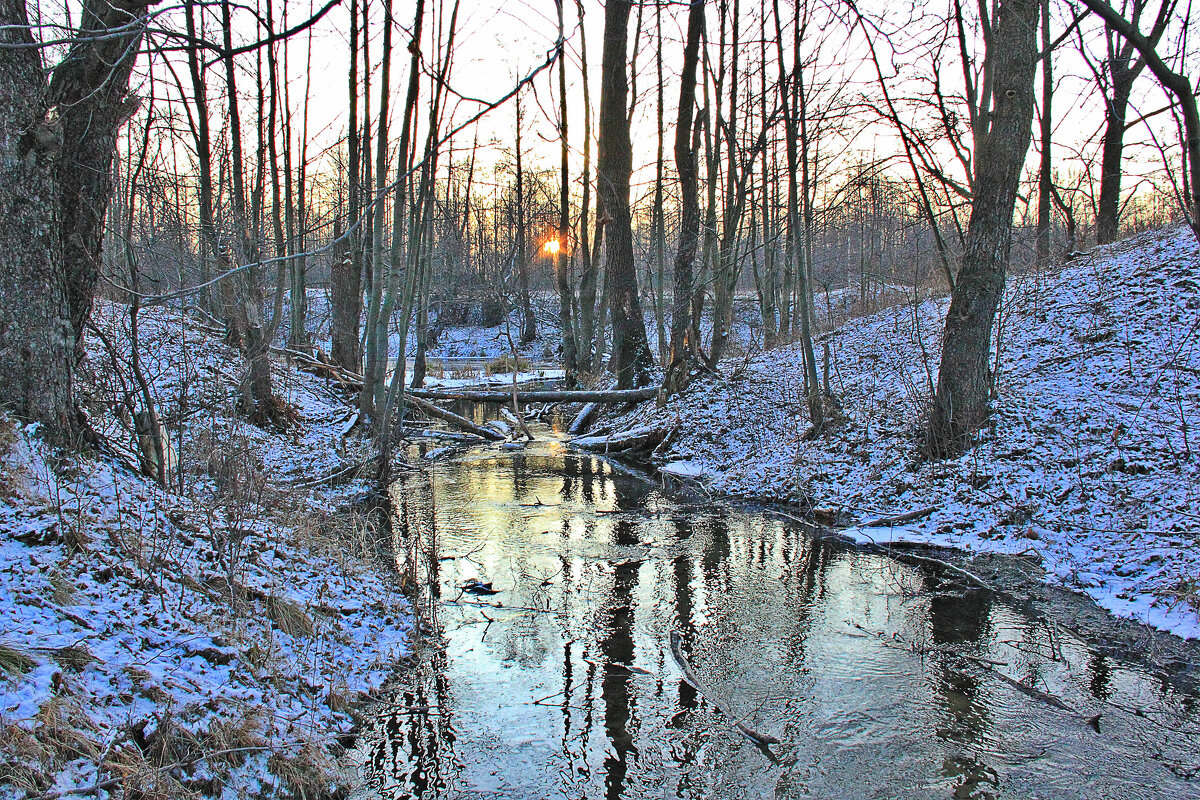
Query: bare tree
x=631 y=359
x=685 y=337
x=56 y=149
x=1003 y=128
x=1176 y=83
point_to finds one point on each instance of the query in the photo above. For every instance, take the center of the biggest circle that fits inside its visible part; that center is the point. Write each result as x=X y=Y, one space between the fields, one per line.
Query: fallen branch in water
x=642 y=439
x=718 y=703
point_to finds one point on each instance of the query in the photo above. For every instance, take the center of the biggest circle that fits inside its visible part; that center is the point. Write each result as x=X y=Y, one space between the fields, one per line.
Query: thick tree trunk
x=964 y=381
x=90 y=89
x=631 y=359
x=36 y=336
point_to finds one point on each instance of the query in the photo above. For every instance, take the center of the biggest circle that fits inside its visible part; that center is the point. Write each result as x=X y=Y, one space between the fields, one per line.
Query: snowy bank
x=1091 y=463
x=214 y=642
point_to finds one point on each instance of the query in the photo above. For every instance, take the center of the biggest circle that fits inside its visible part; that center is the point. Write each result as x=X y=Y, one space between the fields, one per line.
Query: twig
x=718 y=703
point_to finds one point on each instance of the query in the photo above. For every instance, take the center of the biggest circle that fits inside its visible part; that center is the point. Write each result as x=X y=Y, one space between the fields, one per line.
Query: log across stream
x=550 y=671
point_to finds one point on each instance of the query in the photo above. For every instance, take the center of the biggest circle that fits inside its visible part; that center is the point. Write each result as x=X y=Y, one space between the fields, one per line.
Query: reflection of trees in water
x=620 y=722
x=413 y=753
x=958 y=619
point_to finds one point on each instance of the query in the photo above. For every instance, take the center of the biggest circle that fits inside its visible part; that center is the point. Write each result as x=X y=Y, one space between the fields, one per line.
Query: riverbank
x=210 y=641
x=1090 y=466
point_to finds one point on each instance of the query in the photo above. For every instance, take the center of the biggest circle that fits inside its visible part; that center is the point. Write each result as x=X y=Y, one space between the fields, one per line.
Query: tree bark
x=684 y=335
x=563 y=264
x=36 y=335
x=89 y=89
x=964 y=381
x=1042 y=244
x=631 y=359
x=1123 y=70
x=528 y=324
x=346 y=271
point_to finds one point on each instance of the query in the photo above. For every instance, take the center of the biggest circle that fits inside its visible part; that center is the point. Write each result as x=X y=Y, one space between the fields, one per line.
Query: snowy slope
x=229 y=630
x=1091 y=464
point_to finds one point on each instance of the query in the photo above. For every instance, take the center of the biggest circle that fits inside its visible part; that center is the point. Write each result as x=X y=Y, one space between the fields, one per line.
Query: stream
x=880 y=679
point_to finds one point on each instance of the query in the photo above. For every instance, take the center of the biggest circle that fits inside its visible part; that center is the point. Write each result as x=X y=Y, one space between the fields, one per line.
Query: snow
x=164 y=625
x=684 y=469
x=1090 y=466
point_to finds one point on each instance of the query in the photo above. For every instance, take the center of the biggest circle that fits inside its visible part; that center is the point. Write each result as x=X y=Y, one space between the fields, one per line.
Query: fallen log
x=719 y=703
x=583 y=419
x=642 y=439
x=899 y=519
x=462 y=423
x=541 y=395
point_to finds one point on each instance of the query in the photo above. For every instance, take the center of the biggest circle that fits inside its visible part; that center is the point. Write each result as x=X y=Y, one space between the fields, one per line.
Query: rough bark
x=36 y=337
x=89 y=89
x=964 y=381
x=346 y=270
x=631 y=359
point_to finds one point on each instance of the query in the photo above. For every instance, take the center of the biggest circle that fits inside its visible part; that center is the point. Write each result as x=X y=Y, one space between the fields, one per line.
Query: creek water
x=880 y=679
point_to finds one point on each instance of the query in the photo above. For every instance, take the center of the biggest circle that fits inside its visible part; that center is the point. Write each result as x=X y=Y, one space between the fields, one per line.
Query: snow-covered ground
x=1091 y=464
x=219 y=638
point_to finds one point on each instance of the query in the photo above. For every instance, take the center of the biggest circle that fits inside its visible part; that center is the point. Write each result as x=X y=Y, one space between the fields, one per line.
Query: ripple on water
x=881 y=679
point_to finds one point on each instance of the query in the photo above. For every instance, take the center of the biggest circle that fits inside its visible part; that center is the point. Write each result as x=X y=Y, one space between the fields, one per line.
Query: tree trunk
x=345 y=274
x=589 y=254
x=562 y=273
x=685 y=344
x=797 y=233
x=631 y=359
x=90 y=89
x=1042 y=245
x=1108 y=207
x=964 y=383
x=375 y=371
x=528 y=324
x=1123 y=71
x=36 y=335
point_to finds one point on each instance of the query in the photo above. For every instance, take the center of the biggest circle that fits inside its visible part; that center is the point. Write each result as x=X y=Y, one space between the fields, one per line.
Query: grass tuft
x=15 y=662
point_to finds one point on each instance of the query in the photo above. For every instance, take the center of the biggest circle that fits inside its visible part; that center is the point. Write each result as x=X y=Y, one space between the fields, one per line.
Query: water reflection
x=881 y=680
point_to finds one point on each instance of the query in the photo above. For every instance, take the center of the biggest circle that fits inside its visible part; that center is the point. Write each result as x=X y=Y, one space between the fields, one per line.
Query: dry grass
x=62 y=588
x=24 y=760
x=288 y=616
x=14 y=661
x=507 y=364
x=309 y=772
x=73 y=657
x=65 y=730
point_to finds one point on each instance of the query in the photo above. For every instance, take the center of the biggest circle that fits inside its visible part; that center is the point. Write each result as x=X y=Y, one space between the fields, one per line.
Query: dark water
x=880 y=679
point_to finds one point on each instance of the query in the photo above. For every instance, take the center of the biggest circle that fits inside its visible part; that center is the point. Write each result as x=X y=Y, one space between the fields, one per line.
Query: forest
x=367 y=368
